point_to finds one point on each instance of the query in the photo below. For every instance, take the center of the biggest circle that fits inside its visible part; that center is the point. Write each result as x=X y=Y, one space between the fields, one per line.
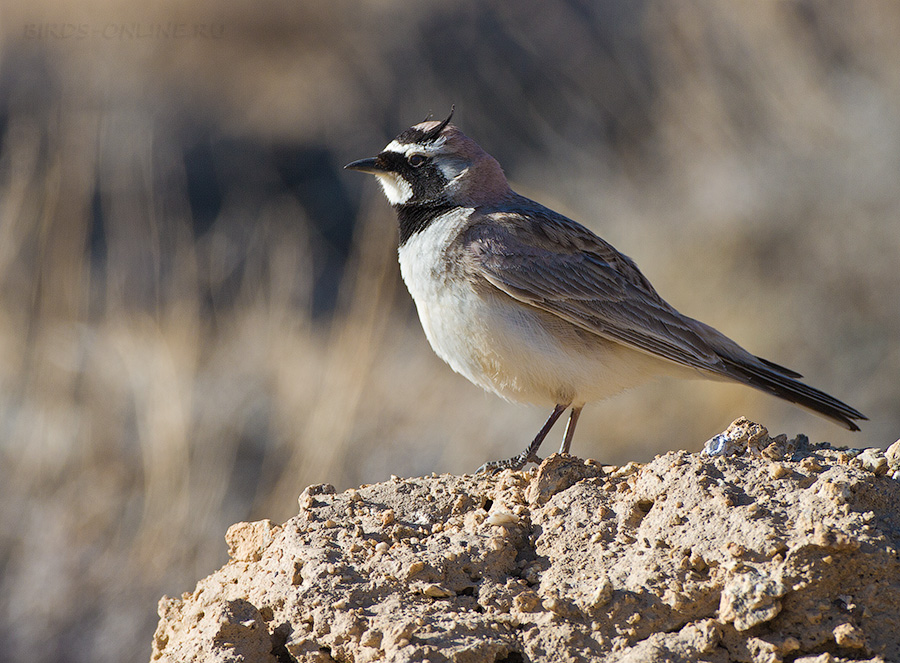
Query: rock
x=247 y=541
x=742 y=435
x=216 y=630
x=750 y=598
x=873 y=460
x=847 y=635
x=777 y=550
x=893 y=455
x=745 y=436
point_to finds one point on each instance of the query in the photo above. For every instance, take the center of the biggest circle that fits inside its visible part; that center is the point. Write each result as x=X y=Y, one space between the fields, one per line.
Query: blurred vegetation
x=200 y=313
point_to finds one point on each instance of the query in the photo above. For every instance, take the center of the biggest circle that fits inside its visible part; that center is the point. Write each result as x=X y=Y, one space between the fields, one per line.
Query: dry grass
x=173 y=358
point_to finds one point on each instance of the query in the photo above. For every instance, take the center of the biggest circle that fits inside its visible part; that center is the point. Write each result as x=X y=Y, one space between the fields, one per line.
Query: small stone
x=736 y=550
x=763 y=651
x=603 y=593
x=532 y=574
x=742 y=435
x=778 y=471
x=892 y=453
x=497 y=543
x=526 y=602
x=874 y=461
x=848 y=635
x=371 y=638
x=247 y=541
x=811 y=464
x=751 y=598
x=556 y=606
x=502 y=518
x=838 y=492
x=697 y=562
x=719 y=445
x=436 y=591
x=307 y=498
x=847 y=600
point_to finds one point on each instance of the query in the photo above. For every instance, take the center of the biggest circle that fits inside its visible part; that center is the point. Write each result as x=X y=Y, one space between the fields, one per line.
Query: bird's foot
x=515 y=463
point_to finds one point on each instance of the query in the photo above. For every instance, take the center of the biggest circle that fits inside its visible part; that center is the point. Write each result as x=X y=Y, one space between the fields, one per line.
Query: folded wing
x=550 y=262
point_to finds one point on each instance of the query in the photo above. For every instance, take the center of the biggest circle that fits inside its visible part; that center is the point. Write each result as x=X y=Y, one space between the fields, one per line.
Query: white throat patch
x=397 y=189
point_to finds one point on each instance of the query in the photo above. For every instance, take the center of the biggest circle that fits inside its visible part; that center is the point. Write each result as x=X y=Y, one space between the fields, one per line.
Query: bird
x=535 y=307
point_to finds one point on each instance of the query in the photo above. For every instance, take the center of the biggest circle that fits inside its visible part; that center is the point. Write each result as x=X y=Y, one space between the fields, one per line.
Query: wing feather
x=548 y=261
x=588 y=283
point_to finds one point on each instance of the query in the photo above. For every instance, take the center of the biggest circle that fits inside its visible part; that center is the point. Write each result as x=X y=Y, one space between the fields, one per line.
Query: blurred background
x=201 y=313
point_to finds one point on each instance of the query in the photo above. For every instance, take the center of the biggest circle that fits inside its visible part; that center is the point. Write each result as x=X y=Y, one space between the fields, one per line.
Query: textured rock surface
x=772 y=550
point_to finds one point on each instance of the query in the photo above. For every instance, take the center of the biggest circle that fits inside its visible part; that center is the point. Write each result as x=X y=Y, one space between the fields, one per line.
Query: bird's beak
x=369 y=165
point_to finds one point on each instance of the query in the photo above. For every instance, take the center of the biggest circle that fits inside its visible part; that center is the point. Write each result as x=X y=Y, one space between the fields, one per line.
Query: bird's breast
x=459 y=324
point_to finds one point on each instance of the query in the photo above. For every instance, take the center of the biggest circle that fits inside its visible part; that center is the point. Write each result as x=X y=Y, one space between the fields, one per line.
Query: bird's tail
x=780 y=381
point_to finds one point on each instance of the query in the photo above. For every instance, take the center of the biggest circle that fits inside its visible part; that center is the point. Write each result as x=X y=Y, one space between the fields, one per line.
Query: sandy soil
x=759 y=549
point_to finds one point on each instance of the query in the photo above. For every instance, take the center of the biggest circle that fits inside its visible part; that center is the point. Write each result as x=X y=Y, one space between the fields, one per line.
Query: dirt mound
x=759 y=549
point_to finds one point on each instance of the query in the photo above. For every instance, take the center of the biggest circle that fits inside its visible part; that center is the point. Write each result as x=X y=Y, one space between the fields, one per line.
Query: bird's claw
x=515 y=464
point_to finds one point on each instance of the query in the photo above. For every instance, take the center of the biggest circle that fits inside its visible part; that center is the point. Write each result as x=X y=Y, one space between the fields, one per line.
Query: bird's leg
x=519 y=461
x=570 y=430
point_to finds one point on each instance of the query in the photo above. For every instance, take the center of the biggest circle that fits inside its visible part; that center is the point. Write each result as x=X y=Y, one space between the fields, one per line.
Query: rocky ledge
x=759 y=549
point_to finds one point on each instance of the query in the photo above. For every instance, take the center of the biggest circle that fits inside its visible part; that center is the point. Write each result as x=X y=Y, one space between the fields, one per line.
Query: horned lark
x=533 y=306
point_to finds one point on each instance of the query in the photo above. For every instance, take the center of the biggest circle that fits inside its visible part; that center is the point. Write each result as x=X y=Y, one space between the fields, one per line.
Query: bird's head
x=434 y=163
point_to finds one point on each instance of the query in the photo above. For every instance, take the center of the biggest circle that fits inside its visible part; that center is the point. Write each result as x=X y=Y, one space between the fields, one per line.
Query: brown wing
x=548 y=261
x=556 y=265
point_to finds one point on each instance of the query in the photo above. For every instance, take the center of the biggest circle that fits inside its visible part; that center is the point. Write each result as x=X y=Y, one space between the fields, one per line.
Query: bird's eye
x=416 y=160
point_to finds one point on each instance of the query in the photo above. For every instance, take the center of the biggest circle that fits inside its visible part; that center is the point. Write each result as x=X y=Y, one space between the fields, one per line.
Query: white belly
x=517 y=351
